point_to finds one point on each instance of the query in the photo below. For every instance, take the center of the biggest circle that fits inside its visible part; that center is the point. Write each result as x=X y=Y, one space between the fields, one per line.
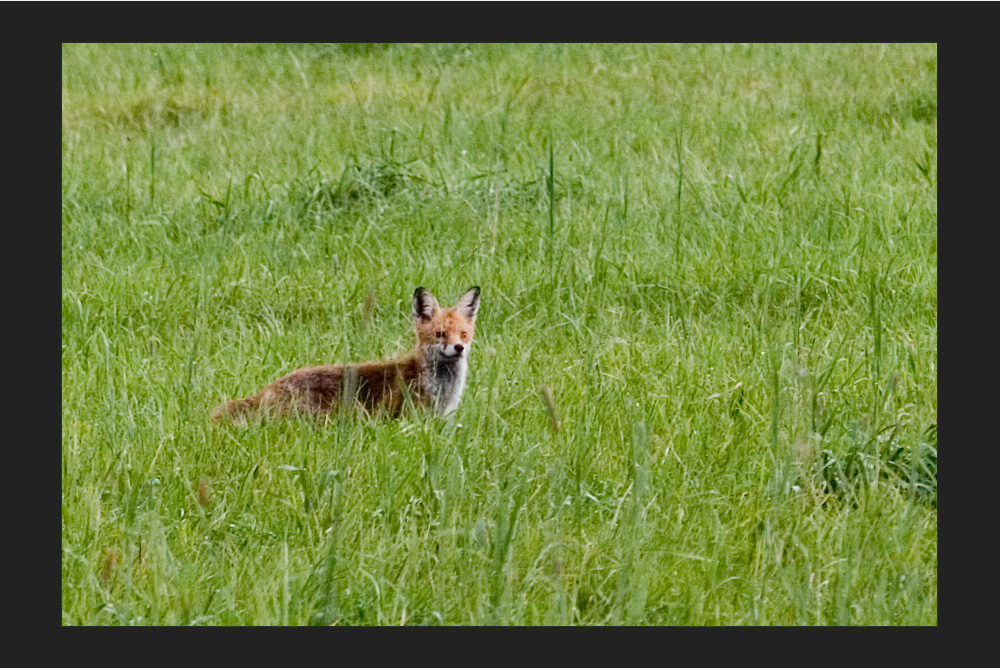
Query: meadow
x=703 y=389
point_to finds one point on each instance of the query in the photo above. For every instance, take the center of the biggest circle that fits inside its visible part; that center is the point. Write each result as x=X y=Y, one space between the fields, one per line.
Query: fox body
x=432 y=375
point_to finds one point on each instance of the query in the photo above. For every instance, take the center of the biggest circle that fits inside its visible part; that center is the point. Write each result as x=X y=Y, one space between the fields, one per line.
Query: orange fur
x=432 y=375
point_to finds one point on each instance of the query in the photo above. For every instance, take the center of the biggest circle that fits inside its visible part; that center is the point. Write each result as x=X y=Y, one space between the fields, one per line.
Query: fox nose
x=459 y=348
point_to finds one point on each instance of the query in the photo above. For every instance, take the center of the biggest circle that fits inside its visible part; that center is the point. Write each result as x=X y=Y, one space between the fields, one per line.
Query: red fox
x=432 y=375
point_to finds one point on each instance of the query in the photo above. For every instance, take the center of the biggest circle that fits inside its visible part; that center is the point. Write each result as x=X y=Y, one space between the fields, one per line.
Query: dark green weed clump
x=703 y=388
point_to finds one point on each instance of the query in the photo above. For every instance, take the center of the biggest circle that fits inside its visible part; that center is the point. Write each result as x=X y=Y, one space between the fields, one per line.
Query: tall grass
x=704 y=383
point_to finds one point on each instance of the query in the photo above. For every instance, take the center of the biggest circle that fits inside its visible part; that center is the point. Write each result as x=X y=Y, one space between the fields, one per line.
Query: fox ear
x=424 y=304
x=468 y=304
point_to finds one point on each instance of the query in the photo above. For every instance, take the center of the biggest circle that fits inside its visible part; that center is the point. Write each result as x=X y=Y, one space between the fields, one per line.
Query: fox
x=432 y=375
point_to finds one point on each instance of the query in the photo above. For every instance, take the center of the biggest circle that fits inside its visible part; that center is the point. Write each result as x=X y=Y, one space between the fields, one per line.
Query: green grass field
x=721 y=259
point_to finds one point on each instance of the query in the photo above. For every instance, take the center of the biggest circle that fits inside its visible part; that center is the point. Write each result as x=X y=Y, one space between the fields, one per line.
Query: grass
x=704 y=383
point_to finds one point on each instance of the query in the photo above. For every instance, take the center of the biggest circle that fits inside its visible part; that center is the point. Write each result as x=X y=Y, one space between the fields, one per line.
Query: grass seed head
x=551 y=408
x=108 y=564
x=204 y=492
x=368 y=309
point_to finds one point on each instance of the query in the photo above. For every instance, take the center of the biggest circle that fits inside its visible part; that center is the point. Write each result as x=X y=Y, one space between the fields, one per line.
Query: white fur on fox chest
x=445 y=384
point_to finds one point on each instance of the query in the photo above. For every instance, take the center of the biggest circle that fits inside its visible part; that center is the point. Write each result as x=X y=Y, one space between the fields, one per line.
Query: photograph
x=499 y=334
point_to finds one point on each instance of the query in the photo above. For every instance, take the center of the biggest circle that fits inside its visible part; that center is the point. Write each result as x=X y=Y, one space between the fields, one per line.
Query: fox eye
x=440 y=334
x=464 y=335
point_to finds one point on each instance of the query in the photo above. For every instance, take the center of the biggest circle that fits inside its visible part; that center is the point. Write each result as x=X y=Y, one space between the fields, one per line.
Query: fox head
x=445 y=334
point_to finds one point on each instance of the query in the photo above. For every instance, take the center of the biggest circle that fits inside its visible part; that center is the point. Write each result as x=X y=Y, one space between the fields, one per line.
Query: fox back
x=432 y=375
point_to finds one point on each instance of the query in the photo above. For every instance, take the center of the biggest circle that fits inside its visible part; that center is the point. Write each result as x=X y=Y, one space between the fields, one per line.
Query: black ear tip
x=476 y=289
x=420 y=290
